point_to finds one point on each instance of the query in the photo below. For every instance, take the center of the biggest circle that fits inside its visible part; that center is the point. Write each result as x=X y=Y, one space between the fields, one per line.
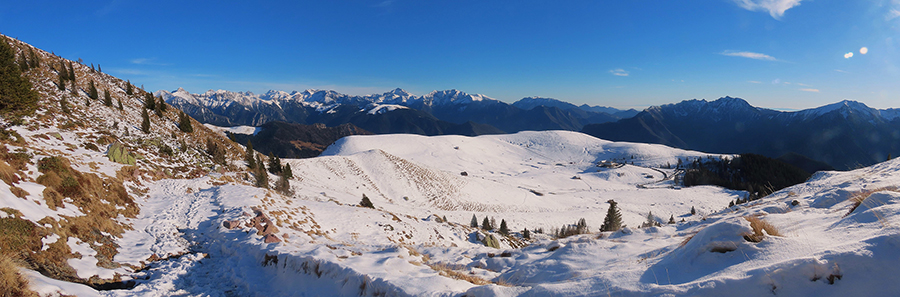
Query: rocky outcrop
x=119 y=154
x=491 y=241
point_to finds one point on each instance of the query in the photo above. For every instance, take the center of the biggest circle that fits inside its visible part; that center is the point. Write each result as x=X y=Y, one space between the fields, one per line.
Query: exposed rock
x=119 y=154
x=268 y=229
x=491 y=241
x=231 y=224
x=271 y=238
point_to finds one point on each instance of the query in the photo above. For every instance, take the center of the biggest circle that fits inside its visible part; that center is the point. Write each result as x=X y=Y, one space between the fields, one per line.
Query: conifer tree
x=474 y=222
x=503 y=229
x=23 y=63
x=61 y=84
x=693 y=211
x=107 y=100
x=613 y=219
x=251 y=162
x=444 y=218
x=262 y=177
x=129 y=90
x=366 y=202
x=161 y=104
x=120 y=103
x=92 y=91
x=526 y=234
x=672 y=219
x=149 y=101
x=92 y=68
x=274 y=164
x=99 y=69
x=33 y=60
x=486 y=224
x=184 y=123
x=71 y=73
x=16 y=96
x=286 y=171
x=145 y=124
x=283 y=186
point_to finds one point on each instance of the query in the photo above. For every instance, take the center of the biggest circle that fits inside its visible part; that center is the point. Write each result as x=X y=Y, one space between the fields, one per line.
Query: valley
x=132 y=198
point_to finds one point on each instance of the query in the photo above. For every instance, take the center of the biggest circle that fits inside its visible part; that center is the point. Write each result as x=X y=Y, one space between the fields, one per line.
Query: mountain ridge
x=228 y=108
x=845 y=134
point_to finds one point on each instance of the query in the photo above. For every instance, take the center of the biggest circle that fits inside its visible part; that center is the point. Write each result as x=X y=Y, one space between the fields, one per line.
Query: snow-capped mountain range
x=92 y=203
x=227 y=108
x=845 y=134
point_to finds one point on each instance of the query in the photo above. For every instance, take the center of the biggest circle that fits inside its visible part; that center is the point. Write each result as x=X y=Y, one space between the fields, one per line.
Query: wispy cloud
x=751 y=55
x=810 y=90
x=775 y=8
x=619 y=72
x=893 y=14
x=754 y=81
x=147 y=61
x=842 y=71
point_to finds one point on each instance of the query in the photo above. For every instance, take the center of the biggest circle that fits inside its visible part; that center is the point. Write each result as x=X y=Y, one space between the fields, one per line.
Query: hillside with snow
x=93 y=204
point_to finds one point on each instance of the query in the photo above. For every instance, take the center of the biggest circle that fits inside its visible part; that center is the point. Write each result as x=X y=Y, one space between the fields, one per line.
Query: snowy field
x=330 y=246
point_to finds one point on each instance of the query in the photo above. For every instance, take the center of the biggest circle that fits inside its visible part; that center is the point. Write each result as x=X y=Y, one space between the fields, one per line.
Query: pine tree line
x=16 y=95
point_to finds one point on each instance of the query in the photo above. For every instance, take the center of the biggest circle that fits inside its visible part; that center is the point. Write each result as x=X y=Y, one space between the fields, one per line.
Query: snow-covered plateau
x=331 y=246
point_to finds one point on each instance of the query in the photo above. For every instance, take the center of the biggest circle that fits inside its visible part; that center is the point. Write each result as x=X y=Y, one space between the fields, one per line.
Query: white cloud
x=619 y=72
x=842 y=71
x=751 y=55
x=754 y=81
x=776 y=8
x=848 y=55
x=810 y=90
x=147 y=61
x=864 y=50
x=893 y=14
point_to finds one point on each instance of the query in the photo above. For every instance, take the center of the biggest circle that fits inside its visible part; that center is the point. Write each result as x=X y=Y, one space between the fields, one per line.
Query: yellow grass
x=758 y=225
x=12 y=283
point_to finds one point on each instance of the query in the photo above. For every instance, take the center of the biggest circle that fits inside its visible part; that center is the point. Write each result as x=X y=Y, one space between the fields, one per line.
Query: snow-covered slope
x=192 y=228
x=333 y=247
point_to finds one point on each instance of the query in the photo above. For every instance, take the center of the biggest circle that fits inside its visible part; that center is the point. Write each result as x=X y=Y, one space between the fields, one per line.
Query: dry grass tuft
x=8 y=174
x=758 y=225
x=687 y=239
x=858 y=197
x=19 y=192
x=12 y=283
x=452 y=271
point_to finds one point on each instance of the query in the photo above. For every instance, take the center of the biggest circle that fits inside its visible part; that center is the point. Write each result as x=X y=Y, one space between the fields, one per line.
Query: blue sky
x=774 y=53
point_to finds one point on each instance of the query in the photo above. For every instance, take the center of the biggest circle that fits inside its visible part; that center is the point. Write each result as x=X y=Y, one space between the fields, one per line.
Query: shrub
x=580 y=227
x=366 y=202
x=216 y=151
